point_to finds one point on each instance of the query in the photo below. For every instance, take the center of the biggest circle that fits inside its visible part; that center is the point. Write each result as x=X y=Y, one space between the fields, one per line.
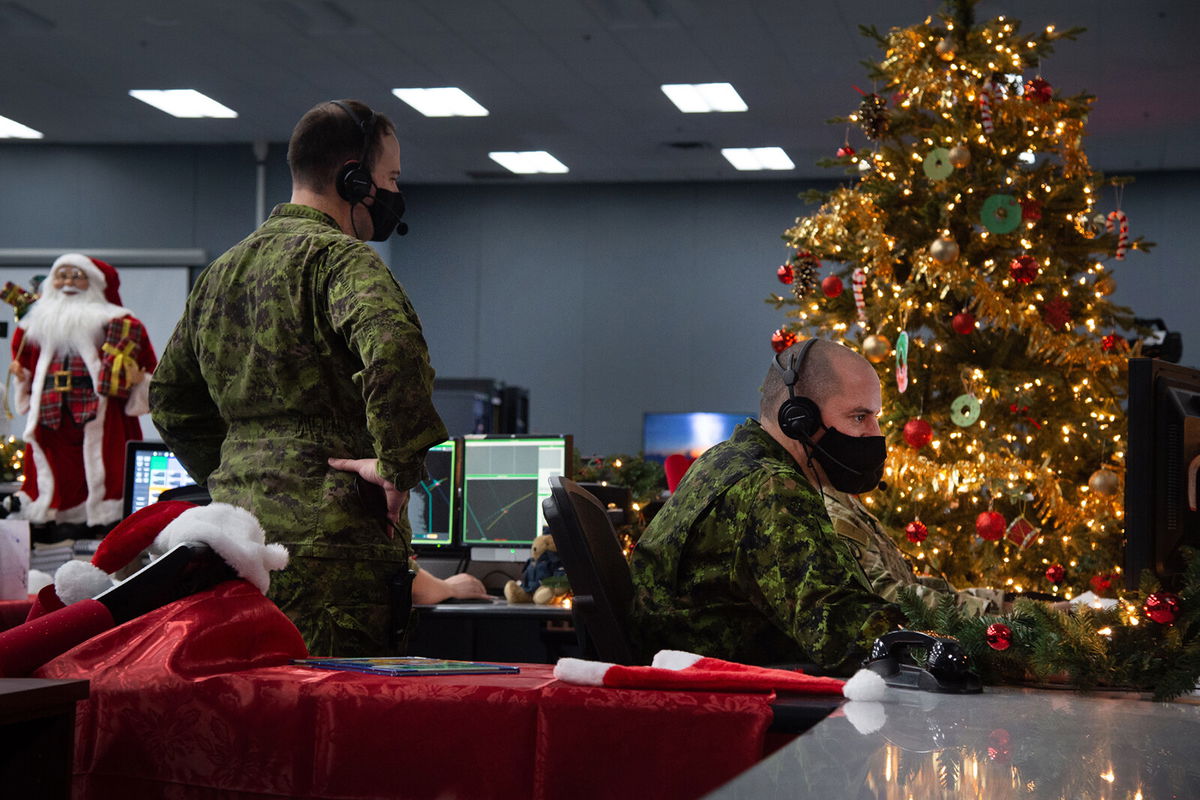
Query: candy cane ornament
x=985 y=107
x=859 y=280
x=1116 y=218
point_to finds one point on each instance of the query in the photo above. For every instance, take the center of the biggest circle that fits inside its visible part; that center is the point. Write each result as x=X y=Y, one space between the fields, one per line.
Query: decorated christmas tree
x=971 y=256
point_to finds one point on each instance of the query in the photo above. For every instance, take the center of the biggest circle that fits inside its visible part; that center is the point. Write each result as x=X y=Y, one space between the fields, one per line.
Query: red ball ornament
x=1056 y=312
x=1108 y=342
x=1055 y=573
x=999 y=745
x=999 y=636
x=845 y=151
x=918 y=433
x=1162 y=607
x=963 y=323
x=916 y=531
x=990 y=525
x=1023 y=269
x=1101 y=584
x=781 y=340
x=1038 y=90
x=785 y=273
x=832 y=286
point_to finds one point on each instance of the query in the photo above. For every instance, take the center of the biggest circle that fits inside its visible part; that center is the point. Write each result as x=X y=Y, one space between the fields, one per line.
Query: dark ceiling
x=579 y=78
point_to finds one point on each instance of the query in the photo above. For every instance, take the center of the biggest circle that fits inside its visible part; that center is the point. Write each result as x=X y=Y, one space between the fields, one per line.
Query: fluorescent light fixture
x=183 y=103
x=449 y=101
x=700 y=98
x=528 y=162
x=756 y=158
x=11 y=129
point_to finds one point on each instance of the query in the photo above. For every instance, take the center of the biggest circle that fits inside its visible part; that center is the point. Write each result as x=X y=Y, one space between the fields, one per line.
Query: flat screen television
x=1161 y=469
x=504 y=480
x=688 y=434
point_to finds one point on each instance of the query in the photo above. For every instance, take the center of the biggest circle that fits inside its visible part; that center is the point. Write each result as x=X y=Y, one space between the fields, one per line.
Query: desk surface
x=499 y=608
x=1004 y=743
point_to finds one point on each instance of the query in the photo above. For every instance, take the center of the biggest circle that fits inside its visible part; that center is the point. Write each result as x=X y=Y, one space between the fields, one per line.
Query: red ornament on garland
x=1101 y=584
x=832 y=286
x=1055 y=573
x=963 y=323
x=1109 y=342
x=1038 y=90
x=1057 y=312
x=1162 y=607
x=918 y=433
x=1024 y=269
x=999 y=636
x=781 y=340
x=990 y=525
x=785 y=273
x=845 y=151
x=916 y=531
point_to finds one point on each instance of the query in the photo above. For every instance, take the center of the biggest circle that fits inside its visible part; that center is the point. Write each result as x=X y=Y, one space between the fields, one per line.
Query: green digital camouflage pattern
x=742 y=563
x=886 y=567
x=298 y=345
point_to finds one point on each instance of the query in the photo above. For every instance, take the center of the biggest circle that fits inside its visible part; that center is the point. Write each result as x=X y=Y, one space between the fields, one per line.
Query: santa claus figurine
x=82 y=363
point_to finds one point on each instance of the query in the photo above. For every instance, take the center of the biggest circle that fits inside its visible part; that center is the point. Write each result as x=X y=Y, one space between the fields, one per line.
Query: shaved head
x=820 y=376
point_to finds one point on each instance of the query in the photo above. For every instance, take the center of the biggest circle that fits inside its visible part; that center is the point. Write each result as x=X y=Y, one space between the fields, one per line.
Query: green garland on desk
x=1120 y=647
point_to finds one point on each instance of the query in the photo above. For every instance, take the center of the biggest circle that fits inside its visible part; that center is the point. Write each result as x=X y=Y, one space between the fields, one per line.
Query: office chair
x=596 y=568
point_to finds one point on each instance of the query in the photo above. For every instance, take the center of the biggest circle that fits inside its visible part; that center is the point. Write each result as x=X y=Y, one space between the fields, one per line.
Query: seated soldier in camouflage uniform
x=743 y=562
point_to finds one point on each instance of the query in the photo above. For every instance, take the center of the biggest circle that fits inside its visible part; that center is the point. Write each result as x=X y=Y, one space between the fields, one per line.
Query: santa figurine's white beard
x=58 y=322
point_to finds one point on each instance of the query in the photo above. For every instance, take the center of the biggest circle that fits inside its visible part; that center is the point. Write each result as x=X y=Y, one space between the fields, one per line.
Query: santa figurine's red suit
x=82 y=364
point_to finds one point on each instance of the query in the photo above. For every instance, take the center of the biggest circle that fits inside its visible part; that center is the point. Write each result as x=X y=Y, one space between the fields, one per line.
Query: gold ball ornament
x=945 y=49
x=944 y=250
x=876 y=348
x=1105 y=482
x=960 y=156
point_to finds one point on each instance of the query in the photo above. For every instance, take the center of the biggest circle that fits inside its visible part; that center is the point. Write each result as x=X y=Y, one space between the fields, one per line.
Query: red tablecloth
x=196 y=700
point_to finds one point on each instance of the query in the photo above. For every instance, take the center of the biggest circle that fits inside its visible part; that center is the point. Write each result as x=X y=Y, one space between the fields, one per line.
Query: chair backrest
x=596 y=568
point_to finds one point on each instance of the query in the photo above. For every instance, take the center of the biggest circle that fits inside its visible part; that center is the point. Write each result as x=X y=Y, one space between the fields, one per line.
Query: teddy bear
x=543 y=578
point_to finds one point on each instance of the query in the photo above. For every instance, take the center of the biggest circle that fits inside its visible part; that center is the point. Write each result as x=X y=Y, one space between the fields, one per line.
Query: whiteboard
x=155 y=295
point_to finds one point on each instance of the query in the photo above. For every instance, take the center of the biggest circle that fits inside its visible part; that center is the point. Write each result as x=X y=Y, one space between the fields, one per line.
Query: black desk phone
x=945 y=667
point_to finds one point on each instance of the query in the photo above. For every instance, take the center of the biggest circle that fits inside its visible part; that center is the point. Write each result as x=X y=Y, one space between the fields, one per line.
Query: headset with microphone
x=799 y=417
x=353 y=180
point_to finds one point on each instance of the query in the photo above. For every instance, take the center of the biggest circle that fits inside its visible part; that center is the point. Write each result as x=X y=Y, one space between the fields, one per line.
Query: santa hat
x=99 y=272
x=233 y=533
x=674 y=669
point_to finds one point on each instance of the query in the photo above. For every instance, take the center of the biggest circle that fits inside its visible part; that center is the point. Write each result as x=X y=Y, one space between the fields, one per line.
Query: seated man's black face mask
x=853 y=464
x=386 y=211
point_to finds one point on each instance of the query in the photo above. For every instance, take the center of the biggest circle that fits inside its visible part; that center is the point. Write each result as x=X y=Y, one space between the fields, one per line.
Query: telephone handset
x=945 y=668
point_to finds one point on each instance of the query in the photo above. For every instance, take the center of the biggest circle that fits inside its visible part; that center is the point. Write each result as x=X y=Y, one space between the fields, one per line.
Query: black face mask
x=386 y=212
x=853 y=464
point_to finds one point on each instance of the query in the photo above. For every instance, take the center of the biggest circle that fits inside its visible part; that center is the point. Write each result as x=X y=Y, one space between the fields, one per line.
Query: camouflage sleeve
x=370 y=311
x=182 y=409
x=805 y=578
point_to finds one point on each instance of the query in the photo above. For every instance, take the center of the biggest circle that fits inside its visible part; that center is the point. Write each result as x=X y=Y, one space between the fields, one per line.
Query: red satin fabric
x=197 y=700
x=14 y=612
x=28 y=646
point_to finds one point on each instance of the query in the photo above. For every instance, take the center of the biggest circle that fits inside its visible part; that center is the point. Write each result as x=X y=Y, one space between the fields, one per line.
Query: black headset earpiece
x=799 y=417
x=353 y=180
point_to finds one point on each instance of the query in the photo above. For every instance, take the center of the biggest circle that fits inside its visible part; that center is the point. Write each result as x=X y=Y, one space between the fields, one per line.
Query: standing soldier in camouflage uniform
x=743 y=562
x=299 y=356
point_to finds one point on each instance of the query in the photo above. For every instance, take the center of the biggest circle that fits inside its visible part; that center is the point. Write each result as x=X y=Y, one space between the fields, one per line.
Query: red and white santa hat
x=233 y=533
x=99 y=272
x=675 y=669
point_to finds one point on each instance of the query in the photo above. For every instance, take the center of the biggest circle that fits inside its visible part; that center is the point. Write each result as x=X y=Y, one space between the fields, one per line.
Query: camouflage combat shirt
x=298 y=345
x=742 y=563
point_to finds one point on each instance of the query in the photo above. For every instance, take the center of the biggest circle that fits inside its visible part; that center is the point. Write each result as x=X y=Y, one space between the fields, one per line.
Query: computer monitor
x=432 y=502
x=505 y=479
x=150 y=469
x=688 y=434
x=1161 y=469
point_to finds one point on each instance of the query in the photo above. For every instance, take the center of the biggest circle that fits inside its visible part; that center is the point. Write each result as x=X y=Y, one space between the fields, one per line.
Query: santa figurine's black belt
x=65 y=382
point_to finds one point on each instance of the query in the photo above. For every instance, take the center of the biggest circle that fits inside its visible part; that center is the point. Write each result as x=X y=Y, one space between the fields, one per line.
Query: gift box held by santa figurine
x=82 y=363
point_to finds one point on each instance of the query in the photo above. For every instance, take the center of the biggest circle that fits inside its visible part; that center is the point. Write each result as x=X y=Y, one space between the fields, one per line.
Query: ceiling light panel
x=183 y=103
x=529 y=162
x=703 y=98
x=750 y=159
x=447 y=101
x=11 y=129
